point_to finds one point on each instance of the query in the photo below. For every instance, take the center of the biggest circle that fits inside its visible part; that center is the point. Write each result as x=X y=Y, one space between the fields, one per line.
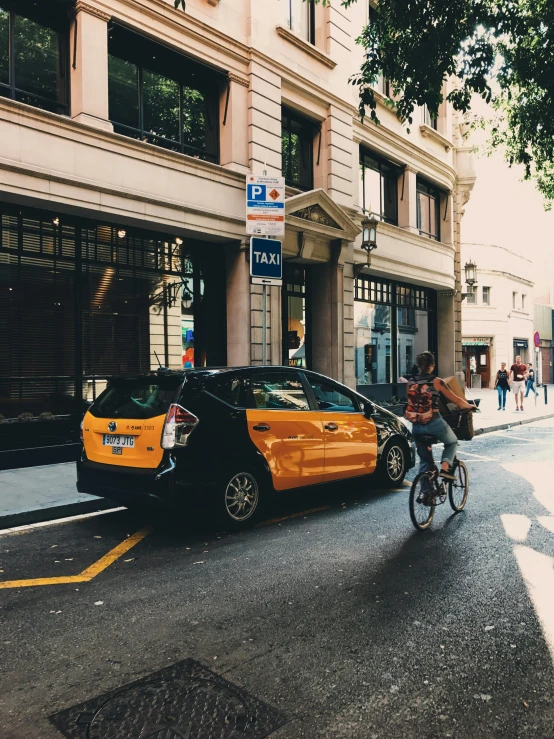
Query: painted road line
x=86 y=575
x=68 y=519
x=478 y=457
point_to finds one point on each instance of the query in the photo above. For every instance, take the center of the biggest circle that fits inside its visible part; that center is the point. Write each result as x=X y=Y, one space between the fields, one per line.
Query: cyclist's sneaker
x=448 y=474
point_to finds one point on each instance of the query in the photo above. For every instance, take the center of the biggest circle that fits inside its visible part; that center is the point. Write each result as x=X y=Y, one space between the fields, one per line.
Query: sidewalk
x=35 y=494
x=491 y=419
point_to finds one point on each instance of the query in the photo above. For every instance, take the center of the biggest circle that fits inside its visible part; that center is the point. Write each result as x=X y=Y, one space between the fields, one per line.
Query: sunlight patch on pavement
x=516 y=526
x=538 y=573
x=540 y=476
x=477 y=457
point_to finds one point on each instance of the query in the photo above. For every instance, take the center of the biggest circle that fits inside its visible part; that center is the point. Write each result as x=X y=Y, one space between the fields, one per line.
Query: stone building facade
x=126 y=131
x=498 y=313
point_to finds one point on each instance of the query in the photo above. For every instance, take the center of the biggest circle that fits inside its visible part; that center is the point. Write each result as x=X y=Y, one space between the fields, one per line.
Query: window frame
x=473 y=293
x=310 y=7
x=432 y=193
x=55 y=21
x=394 y=175
x=269 y=369
x=310 y=126
x=486 y=301
x=343 y=390
x=210 y=88
x=428 y=120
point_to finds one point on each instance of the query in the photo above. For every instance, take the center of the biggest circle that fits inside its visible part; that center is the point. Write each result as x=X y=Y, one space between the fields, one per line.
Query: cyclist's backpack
x=420 y=402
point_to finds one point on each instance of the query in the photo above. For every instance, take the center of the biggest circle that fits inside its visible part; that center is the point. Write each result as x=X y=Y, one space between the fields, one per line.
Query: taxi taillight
x=179 y=425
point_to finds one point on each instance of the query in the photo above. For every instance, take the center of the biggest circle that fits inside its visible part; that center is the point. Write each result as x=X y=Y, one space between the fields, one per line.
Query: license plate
x=115 y=440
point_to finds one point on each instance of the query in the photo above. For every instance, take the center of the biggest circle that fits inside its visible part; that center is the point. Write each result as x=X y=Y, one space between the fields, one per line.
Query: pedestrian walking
x=518 y=375
x=502 y=386
x=530 y=380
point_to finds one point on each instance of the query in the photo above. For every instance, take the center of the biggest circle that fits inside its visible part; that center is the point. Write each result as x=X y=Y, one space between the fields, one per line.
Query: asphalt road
x=346 y=620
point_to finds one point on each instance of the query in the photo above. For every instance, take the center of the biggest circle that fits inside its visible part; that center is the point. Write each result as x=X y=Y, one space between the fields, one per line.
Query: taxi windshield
x=136 y=398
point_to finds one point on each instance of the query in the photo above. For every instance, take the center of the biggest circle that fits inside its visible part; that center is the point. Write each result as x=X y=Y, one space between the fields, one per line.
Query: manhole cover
x=185 y=701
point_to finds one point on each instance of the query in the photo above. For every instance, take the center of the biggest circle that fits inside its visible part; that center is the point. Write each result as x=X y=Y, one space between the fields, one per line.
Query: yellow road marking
x=86 y=575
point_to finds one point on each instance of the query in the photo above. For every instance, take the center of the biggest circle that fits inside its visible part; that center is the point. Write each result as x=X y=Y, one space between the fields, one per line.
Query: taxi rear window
x=136 y=398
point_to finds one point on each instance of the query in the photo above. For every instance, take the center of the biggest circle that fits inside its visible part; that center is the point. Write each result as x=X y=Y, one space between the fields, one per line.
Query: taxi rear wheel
x=393 y=467
x=239 y=498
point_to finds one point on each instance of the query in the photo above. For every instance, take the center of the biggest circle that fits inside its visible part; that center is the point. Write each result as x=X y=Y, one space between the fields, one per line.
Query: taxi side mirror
x=369 y=408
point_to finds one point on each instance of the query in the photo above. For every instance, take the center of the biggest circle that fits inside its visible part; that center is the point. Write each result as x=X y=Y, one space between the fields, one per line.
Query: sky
x=507 y=211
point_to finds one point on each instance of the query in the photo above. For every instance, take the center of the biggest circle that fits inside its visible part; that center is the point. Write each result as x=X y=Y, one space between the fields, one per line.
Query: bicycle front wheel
x=422 y=502
x=458 y=489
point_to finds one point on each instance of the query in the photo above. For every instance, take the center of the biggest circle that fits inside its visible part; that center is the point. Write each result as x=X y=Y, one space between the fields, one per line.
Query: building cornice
x=305 y=46
x=83 y=7
x=238 y=79
x=187 y=25
x=61 y=126
x=429 y=133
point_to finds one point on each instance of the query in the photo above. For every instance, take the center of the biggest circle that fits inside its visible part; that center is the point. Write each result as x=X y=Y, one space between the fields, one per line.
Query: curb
x=504 y=426
x=40 y=515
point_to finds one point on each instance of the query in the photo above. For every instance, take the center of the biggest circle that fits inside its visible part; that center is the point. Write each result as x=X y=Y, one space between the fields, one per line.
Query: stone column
x=446 y=335
x=407 y=200
x=89 y=66
x=238 y=305
x=328 y=311
x=233 y=141
x=264 y=120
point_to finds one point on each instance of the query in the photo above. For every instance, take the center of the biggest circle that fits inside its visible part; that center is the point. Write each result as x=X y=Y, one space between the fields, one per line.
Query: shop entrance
x=476 y=365
x=296 y=315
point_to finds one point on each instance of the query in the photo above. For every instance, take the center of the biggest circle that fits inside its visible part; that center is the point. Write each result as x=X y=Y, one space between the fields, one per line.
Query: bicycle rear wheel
x=422 y=504
x=458 y=489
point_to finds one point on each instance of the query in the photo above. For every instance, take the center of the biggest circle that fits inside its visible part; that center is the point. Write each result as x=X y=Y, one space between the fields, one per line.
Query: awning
x=476 y=342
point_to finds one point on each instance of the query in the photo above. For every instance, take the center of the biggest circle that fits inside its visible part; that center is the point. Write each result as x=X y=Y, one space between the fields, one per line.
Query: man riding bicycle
x=424 y=392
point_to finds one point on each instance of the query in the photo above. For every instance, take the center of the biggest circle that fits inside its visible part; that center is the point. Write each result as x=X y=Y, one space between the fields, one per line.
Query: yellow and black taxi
x=233 y=436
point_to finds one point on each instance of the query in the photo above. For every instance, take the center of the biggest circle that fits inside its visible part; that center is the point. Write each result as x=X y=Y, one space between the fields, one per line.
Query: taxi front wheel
x=239 y=501
x=392 y=466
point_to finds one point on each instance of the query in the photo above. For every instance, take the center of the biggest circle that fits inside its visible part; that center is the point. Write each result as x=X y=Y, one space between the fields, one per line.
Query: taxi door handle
x=331 y=426
x=261 y=427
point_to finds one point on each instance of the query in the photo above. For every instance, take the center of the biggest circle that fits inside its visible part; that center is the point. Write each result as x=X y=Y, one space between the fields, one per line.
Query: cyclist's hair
x=424 y=361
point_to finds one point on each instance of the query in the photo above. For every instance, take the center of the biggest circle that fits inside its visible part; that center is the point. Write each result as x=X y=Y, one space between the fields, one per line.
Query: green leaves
x=500 y=50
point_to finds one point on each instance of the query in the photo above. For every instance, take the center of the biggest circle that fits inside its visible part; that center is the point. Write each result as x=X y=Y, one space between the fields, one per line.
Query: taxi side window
x=330 y=398
x=278 y=391
x=230 y=389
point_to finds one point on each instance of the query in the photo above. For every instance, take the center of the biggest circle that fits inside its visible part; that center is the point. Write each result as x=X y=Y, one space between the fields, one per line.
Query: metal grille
x=185 y=700
x=76 y=299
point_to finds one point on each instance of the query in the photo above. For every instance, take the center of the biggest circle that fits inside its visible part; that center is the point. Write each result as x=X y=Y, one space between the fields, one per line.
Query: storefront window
x=393 y=323
x=162 y=97
x=33 y=55
x=372 y=325
x=295 y=323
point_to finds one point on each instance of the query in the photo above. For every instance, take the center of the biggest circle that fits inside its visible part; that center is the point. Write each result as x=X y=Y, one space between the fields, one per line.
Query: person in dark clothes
x=502 y=385
x=530 y=380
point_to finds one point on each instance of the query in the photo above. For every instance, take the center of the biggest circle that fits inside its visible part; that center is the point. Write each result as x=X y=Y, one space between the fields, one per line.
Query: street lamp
x=471 y=273
x=369 y=240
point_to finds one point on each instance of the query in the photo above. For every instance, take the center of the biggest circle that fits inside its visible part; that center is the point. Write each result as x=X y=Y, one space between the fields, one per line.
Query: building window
x=381 y=84
x=393 y=323
x=471 y=296
x=296 y=325
x=514 y=301
x=300 y=16
x=162 y=97
x=428 y=210
x=379 y=187
x=33 y=55
x=428 y=120
x=486 y=296
x=297 y=140
x=523 y=302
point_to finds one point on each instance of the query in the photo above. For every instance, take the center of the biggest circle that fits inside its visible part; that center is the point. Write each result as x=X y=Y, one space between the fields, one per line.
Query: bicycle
x=429 y=489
